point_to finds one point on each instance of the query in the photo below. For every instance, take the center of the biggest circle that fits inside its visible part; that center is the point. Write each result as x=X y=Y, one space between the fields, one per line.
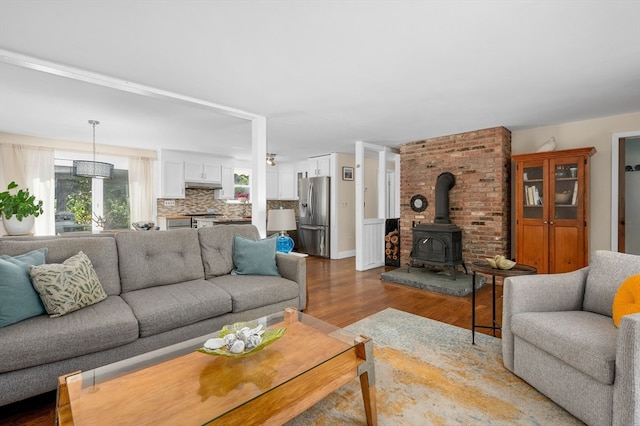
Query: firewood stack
x=391 y=246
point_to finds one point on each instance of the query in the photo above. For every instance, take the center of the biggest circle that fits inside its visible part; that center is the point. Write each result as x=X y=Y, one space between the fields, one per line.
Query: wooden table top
x=483 y=267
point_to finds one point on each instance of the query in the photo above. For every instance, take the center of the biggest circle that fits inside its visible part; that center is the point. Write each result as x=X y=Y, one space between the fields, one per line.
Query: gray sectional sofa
x=558 y=334
x=163 y=287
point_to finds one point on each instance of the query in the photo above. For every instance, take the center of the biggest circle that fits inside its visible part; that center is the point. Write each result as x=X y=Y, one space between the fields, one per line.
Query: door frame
x=615 y=182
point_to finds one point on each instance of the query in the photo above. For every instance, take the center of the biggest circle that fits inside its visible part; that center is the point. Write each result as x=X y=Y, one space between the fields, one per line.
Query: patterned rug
x=428 y=373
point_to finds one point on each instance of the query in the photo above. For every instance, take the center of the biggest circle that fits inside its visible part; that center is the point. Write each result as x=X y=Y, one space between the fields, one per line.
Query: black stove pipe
x=444 y=183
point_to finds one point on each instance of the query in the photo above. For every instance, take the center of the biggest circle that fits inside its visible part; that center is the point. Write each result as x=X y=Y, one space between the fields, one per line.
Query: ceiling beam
x=78 y=74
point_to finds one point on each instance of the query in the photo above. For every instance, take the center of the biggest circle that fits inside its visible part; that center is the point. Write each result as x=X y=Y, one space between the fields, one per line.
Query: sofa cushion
x=627 y=299
x=216 y=243
x=149 y=259
x=249 y=292
x=171 y=306
x=105 y=325
x=607 y=270
x=18 y=298
x=582 y=339
x=254 y=257
x=101 y=250
x=68 y=286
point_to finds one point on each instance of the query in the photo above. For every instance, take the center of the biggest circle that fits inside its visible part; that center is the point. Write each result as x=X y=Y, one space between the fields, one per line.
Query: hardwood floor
x=337 y=294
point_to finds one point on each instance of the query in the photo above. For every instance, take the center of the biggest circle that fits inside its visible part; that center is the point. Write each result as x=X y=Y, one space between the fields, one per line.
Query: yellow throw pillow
x=627 y=299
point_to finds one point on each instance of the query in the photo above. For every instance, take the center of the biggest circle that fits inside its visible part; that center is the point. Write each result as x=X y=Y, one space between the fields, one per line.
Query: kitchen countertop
x=175 y=216
x=225 y=219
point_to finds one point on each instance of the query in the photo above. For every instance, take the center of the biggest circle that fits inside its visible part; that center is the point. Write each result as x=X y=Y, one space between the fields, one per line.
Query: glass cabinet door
x=566 y=189
x=533 y=197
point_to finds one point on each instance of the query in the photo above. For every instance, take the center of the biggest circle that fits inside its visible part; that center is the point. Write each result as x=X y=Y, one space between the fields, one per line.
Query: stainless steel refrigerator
x=313 y=228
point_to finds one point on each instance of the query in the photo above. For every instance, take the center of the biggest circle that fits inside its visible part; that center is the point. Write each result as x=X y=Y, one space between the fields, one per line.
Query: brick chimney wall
x=480 y=201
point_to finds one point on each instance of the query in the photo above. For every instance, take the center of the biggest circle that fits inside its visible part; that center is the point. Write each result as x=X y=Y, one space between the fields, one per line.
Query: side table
x=483 y=267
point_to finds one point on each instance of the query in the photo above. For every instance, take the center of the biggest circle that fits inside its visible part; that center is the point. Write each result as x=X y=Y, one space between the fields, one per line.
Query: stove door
x=431 y=248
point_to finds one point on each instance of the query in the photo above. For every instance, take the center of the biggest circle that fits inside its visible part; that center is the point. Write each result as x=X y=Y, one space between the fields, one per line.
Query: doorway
x=376 y=197
x=625 y=193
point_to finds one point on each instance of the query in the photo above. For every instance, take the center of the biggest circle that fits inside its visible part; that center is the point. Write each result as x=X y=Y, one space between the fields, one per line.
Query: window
x=86 y=204
x=242 y=184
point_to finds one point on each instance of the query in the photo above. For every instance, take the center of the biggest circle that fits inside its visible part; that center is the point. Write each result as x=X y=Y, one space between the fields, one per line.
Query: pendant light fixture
x=271 y=159
x=93 y=169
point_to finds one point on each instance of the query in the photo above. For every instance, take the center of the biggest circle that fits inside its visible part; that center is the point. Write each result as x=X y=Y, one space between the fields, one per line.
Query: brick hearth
x=479 y=203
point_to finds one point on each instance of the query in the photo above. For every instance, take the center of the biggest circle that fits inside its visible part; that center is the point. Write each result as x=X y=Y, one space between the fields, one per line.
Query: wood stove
x=438 y=243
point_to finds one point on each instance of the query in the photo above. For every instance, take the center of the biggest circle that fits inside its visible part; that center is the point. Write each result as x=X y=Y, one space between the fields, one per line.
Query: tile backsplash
x=200 y=200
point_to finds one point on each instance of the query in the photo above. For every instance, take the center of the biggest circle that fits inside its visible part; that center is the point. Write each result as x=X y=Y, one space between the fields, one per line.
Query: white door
x=370 y=230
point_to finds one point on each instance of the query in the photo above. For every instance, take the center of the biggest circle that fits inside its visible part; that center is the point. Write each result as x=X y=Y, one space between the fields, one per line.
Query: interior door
x=532 y=188
x=566 y=215
x=370 y=230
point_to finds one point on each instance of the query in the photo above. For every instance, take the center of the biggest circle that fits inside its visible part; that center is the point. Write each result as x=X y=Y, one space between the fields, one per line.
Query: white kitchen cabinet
x=272 y=185
x=319 y=166
x=172 y=179
x=287 y=185
x=227 y=191
x=281 y=185
x=202 y=172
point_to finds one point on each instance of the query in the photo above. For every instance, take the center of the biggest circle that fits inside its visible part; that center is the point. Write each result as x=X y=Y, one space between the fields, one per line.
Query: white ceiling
x=324 y=73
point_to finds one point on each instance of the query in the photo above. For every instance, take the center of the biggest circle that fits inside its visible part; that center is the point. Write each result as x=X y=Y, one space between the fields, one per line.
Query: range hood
x=203 y=185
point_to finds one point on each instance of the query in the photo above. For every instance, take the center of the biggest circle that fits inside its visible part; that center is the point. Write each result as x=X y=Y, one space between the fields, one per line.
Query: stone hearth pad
x=434 y=280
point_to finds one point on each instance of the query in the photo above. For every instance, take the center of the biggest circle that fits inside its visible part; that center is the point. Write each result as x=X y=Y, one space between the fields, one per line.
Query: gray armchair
x=558 y=335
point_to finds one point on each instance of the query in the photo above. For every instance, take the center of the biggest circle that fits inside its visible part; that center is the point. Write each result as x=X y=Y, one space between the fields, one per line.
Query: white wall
x=578 y=134
x=346 y=209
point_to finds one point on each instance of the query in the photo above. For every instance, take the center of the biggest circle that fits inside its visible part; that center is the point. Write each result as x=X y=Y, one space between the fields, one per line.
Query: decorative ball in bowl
x=500 y=262
x=563 y=197
x=241 y=339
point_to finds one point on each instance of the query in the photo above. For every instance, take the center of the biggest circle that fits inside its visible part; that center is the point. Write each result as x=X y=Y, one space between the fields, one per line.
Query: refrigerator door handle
x=312 y=227
x=310 y=200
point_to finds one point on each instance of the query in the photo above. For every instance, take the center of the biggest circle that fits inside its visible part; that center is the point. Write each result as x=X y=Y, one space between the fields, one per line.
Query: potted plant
x=18 y=210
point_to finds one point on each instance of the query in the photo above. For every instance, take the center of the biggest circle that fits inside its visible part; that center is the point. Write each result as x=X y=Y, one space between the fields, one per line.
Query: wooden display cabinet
x=552 y=209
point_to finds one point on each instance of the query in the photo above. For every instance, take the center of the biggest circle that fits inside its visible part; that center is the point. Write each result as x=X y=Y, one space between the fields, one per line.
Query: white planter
x=14 y=226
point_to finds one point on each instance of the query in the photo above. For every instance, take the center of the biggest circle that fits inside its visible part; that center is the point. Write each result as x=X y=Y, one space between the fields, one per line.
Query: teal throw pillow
x=18 y=299
x=254 y=257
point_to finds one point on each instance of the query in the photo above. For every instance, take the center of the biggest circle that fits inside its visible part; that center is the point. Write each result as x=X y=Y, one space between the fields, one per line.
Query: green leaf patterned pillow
x=68 y=286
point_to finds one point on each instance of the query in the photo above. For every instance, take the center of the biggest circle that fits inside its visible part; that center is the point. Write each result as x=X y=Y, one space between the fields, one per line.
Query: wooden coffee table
x=178 y=385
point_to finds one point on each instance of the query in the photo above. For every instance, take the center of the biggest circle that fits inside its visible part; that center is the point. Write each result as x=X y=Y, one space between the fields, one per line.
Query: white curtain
x=32 y=168
x=141 y=186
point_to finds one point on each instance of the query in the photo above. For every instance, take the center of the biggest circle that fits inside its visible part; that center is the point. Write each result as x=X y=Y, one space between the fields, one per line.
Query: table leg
x=366 y=371
x=494 y=305
x=473 y=309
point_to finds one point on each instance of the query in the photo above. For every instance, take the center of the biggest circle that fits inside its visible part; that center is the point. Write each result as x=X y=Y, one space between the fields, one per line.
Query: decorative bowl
x=268 y=337
x=500 y=262
x=563 y=197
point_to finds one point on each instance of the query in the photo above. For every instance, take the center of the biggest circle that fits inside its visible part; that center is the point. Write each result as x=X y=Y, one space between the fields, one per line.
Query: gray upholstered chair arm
x=546 y=292
x=294 y=268
x=539 y=293
x=626 y=392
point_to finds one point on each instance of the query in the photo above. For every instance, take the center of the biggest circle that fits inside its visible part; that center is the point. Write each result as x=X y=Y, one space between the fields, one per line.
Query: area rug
x=433 y=280
x=428 y=373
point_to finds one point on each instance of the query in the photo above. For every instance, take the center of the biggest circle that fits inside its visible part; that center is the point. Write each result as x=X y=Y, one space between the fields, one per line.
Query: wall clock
x=418 y=203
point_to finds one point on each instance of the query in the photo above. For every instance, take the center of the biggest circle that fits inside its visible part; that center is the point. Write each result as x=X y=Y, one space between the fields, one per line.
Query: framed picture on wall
x=347 y=173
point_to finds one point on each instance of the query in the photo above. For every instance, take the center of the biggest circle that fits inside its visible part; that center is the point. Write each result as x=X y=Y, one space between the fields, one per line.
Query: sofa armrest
x=294 y=268
x=539 y=293
x=626 y=391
